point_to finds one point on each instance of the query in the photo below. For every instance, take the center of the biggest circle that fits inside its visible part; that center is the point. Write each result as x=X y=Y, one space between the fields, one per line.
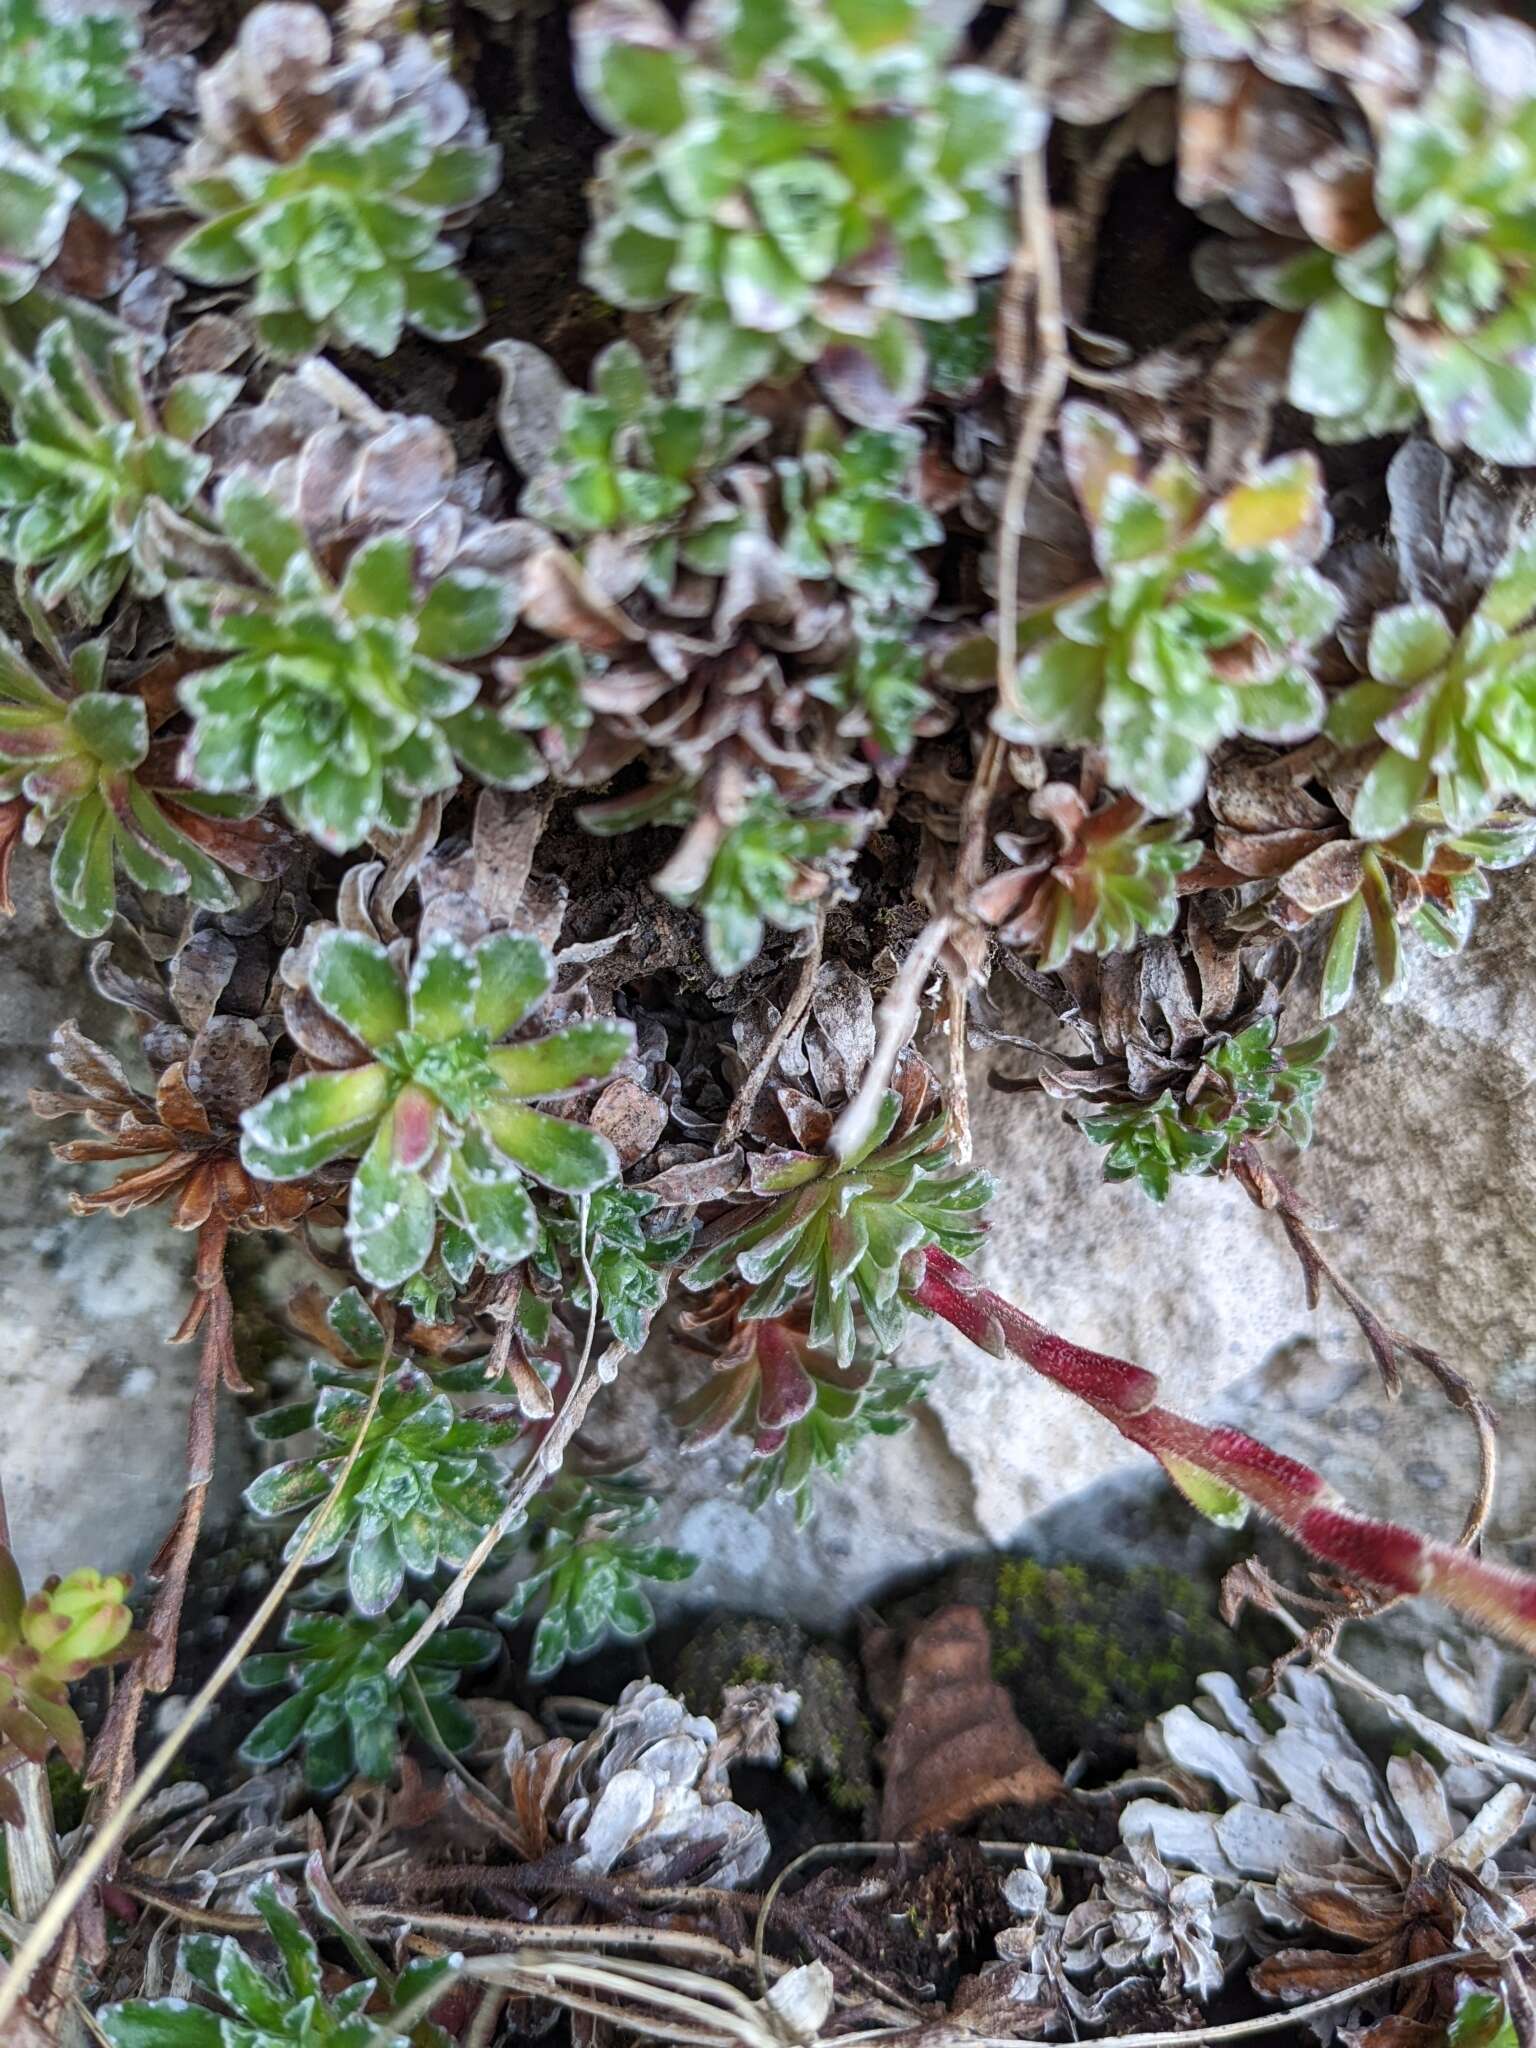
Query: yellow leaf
x=1223 y=1505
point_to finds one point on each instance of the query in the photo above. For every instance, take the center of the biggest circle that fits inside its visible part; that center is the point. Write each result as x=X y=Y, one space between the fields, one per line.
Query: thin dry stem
x=895 y=1022
x=847 y=1852
x=1271 y=1192
x=1512 y=1763
x=958 y=1093
x=545 y=1462
x=99 y=1852
x=702 y=2010
x=800 y=1001
x=1038 y=262
x=465 y=1927
x=1293 y=2017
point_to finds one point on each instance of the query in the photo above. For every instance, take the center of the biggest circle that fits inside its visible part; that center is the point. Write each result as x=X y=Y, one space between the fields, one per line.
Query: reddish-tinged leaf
x=415 y=1131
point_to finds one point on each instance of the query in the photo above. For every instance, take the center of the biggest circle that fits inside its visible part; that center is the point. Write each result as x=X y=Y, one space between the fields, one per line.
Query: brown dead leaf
x=956 y=1748
x=630 y=1117
x=691 y=1182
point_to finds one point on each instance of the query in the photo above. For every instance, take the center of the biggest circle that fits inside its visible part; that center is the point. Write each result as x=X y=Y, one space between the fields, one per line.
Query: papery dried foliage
x=644 y=1795
x=1349 y=1870
x=1047 y=1983
x=181 y=1145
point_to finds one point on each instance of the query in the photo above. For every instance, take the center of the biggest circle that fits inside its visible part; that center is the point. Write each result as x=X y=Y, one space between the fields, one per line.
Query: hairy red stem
x=1300 y=1500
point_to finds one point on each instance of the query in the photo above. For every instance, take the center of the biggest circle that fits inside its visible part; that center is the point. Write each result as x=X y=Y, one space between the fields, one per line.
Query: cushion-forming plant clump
x=555 y=859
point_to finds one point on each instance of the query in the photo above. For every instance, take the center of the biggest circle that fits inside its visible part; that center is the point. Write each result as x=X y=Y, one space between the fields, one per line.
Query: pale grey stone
x=92 y=1399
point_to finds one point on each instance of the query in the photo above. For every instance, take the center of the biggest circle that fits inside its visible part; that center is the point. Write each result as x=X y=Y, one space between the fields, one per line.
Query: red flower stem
x=1300 y=1500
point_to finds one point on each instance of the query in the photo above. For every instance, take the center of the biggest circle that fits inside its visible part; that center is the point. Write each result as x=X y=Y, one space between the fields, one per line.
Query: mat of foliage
x=585 y=579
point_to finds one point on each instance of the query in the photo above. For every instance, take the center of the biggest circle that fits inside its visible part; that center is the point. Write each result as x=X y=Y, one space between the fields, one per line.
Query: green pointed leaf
x=1510 y=599
x=1408 y=643
x=1343 y=361
x=310 y=1121
x=380 y=578
x=500 y=1219
x=466 y=615
x=353 y=978
x=82 y=869
x=160 y=2023
x=276 y=1734
x=391 y=1217
x=215 y=253
x=260 y=528
x=565 y=1062
x=494 y=751
x=250 y=1991
x=564 y=1156
x=516 y=973
x=443 y=305
x=445 y=984
x=1386 y=799
x=1339 y=963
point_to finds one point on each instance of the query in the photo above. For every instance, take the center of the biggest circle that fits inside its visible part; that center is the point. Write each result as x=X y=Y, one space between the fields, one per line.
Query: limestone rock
x=92 y=1400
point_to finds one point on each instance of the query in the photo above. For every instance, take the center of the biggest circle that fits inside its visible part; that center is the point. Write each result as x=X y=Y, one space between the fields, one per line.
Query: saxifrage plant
x=1455 y=712
x=1086 y=879
x=340 y=214
x=92 y=453
x=1202 y=623
x=348 y=699
x=837 y=1233
x=70 y=99
x=729 y=611
x=589 y=1571
x=80 y=757
x=1247 y=1088
x=346 y=1712
x=422 y=1491
x=744 y=873
x=808 y=180
x=801 y=1413
x=294 y=2007
x=1423 y=297
x=439 y=1116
